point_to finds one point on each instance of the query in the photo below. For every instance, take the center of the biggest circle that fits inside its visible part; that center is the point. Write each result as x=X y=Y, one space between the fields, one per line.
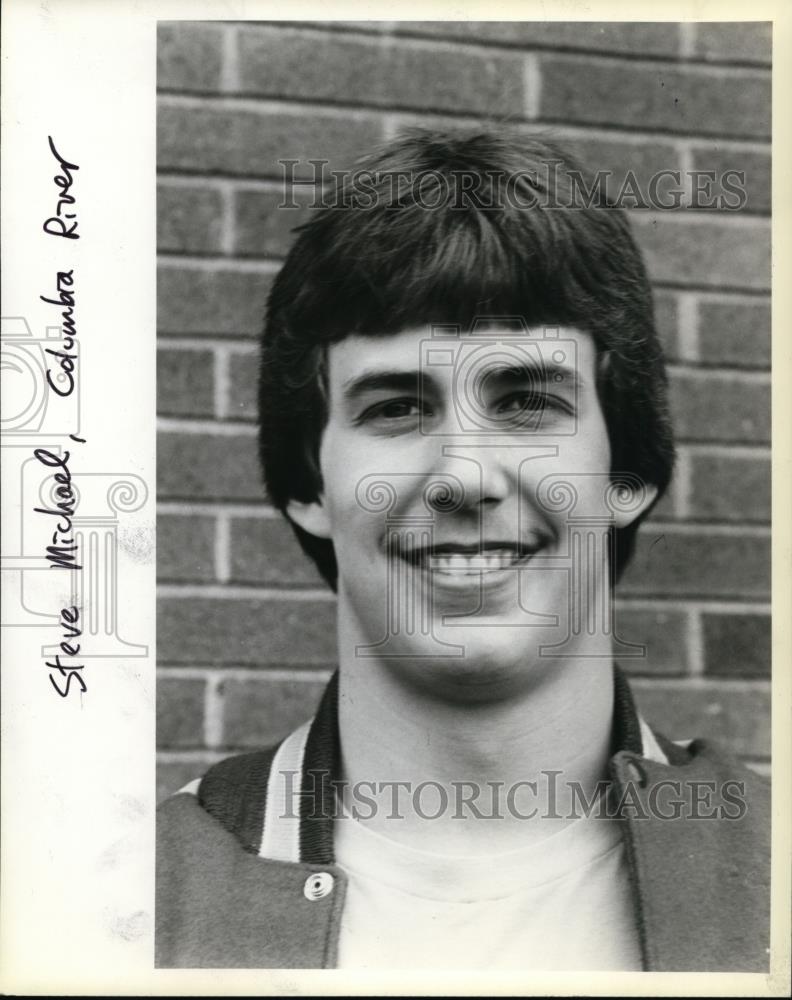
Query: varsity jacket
x=246 y=874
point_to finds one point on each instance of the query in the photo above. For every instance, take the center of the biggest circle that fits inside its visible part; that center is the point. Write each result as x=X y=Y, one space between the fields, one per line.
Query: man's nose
x=489 y=471
x=480 y=474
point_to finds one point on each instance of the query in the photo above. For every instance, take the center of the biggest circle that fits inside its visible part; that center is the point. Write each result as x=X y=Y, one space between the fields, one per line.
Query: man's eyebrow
x=396 y=379
x=421 y=380
x=562 y=375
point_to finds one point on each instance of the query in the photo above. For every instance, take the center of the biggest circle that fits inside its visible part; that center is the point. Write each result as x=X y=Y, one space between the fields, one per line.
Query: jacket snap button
x=318 y=885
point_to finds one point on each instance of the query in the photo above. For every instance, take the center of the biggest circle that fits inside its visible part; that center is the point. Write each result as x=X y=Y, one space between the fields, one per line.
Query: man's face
x=456 y=471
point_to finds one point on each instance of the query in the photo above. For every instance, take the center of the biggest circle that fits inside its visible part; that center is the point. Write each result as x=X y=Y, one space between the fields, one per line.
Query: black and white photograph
x=515 y=354
x=434 y=609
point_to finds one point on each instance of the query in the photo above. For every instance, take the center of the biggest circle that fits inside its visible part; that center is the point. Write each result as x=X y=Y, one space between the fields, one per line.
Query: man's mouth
x=451 y=559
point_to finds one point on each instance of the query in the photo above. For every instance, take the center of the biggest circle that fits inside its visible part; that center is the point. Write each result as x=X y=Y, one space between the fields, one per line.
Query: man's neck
x=554 y=731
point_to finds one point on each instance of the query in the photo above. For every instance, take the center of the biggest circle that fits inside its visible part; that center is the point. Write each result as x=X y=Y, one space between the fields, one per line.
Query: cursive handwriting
x=62 y=552
x=70 y=618
x=67 y=358
x=56 y=225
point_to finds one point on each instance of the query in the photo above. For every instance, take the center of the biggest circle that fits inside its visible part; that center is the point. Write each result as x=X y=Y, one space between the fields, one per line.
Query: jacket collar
x=295 y=821
x=701 y=888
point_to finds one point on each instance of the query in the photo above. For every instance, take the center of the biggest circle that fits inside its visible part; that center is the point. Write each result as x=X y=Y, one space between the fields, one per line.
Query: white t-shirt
x=561 y=904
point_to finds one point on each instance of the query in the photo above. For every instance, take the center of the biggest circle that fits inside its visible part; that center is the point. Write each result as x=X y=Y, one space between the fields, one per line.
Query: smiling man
x=463 y=419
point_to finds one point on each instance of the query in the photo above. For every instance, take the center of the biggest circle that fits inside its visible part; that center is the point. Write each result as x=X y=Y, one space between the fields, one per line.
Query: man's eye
x=530 y=408
x=522 y=402
x=392 y=411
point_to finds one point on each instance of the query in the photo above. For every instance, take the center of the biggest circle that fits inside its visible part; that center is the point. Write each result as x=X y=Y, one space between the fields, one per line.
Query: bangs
x=465 y=266
x=428 y=250
x=462 y=267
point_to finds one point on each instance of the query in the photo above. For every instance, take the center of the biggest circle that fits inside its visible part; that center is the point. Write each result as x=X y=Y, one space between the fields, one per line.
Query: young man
x=463 y=419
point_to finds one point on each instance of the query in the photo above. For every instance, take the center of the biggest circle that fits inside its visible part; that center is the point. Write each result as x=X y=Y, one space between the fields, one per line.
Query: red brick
x=283 y=62
x=185 y=547
x=265 y=551
x=189 y=56
x=730 y=488
x=735 y=41
x=263 y=224
x=612 y=92
x=719 y=252
x=667 y=323
x=262 y=710
x=208 y=467
x=246 y=631
x=706 y=563
x=754 y=164
x=189 y=219
x=206 y=138
x=197 y=300
x=720 y=407
x=734 y=333
x=185 y=383
x=630 y=37
x=737 y=717
x=737 y=645
x=173 y=775
x=627 y=162
x=243 y=402
x=661 y=632
x=180 y=712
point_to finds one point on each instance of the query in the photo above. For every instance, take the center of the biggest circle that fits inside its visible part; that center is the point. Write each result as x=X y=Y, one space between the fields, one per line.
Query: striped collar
x=280 y=803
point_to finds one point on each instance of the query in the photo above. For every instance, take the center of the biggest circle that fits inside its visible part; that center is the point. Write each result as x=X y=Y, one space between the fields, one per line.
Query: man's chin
x=497 y=646
x=471 y=664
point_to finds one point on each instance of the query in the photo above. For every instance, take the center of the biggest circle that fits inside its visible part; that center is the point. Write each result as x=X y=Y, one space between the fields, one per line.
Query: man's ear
x=311 y=517
x=630 y=500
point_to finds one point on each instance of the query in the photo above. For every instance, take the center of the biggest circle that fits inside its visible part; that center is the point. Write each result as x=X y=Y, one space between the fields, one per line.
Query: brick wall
x=245 y=634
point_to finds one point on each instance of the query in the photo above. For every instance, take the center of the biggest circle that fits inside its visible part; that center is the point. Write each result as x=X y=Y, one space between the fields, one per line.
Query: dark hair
x=441 y=228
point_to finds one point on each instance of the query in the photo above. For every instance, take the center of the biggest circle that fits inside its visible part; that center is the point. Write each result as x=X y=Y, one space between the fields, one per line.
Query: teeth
x=489 y=561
